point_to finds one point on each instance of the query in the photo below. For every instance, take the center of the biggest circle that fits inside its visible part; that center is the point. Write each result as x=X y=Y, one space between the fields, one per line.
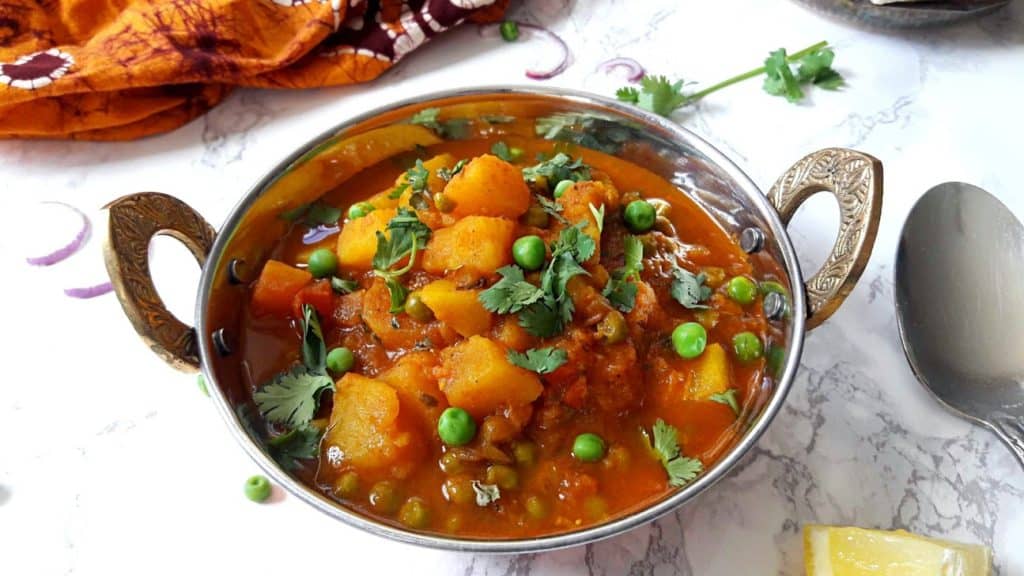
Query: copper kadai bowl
x=660 y=145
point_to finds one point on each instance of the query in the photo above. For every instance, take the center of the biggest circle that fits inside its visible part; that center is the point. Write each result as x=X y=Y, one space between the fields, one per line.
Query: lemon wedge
x=847 y=551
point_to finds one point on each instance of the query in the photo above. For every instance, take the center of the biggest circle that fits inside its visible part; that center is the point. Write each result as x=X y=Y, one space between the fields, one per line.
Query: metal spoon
x=960 y=306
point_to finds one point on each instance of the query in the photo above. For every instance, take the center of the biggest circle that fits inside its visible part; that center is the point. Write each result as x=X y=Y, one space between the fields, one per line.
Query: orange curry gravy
x=615 y=390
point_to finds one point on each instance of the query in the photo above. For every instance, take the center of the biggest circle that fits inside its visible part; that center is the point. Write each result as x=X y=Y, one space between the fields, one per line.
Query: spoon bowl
x=959 y=291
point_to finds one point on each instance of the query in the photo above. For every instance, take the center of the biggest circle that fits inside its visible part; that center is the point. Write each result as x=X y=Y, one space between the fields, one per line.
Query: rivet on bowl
x=751 y=240
x=220 y=342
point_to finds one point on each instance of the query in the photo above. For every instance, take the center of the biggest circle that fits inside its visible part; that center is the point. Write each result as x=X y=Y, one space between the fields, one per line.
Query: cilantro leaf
x=302 y=443
x=628 y=94
x=539 y=360
x=452 y=129
x=485 y=493
x=779 y=79
x=510 y=294
x=292 y=397
x=314 y=351
x=573 y=240
x=417 y=178
x=598 y=216
x=689 y=290
x=503 y=151
x=588 y=130
x=552 y=208
x=619 y=290
x=621 y=294
x=343 y=286
x=728 y=398
x=541 y=319
x=406 y=235
x=557 y=168
x=660 y=96
x=447 y=174
x=681 y=469
x=816 y=68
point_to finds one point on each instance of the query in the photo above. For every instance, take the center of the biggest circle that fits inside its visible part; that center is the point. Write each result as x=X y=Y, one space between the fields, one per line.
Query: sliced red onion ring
x=563 y=63
x=314 y=235
x=85 y=292
x=634 y=71
x=66 y=251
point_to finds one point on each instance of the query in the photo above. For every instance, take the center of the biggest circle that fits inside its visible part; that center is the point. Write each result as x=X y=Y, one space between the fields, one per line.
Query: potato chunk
x=489 y=186
x=478 y=245
x=576 y=202
x=368 y=429
x=710 y=375
x=459 y=309
x=276 y=288
x=393 y=330
x=476 y=375
x=412 y=377
x=357 y=241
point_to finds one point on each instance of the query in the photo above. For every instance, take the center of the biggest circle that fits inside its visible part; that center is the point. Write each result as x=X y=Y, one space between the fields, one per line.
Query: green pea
x=509 y=31
x=515 y=154
x=536 y=507
x=529 y=252
x=347 y=485
x=747 y=346
x=322 y=262
x=456 y=427
x=360 y=209
x=689 y=339
x=257 y=488
x=524 y=453
x=414 y=513
x=384 y=497
x=459 y=491
x=596 y=507
x=640 y=216
x=612 y=328
x=742 y=290
x=536 y=216
x=443 y=202
x=504 y=476
x=450 y=463
x=417 y=309
x=561 y=187
x=340 y=360
x=588 y=447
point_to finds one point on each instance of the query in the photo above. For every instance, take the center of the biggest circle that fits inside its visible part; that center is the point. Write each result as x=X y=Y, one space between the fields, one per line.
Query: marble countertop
x=112 y=463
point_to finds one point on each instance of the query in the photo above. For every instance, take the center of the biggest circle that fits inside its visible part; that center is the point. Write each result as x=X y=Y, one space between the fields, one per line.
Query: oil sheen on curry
x=509 y=338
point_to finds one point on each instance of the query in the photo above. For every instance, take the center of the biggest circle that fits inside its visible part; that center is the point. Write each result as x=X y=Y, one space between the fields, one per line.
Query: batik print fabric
x=123 y=69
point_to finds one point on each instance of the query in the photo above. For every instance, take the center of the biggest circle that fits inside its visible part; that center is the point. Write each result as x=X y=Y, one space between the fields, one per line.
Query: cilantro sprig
x=302 y=443
x=292 y=397
x=539 y=360
x=621 y=287
x=681 y=469
x=406 y=235
x=660 y=95
x=447 y=174
x=506 y=153
x=559 y=167
x=689 y=289
x=543 y=311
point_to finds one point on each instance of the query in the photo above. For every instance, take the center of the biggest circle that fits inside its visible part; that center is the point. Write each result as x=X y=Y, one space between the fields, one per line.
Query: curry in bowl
x=504 y=336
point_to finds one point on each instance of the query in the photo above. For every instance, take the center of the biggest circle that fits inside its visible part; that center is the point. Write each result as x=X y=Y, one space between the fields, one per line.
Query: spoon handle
x=1011 y=431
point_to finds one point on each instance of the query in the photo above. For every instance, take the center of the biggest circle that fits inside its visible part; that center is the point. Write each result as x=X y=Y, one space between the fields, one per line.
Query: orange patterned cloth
x=123 y=69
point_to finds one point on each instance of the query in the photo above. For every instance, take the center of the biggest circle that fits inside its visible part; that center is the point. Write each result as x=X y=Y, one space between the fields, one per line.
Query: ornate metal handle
x=133 y=222
x=855 y=179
